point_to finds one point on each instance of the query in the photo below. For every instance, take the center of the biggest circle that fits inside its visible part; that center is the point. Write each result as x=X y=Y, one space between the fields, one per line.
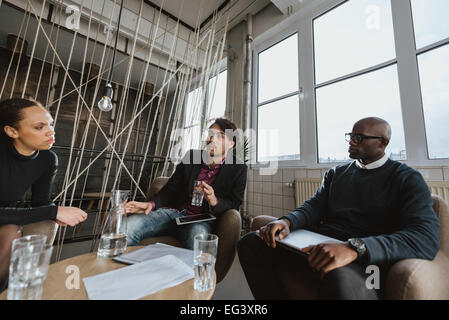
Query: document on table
x=138 y=280
x=157 y=250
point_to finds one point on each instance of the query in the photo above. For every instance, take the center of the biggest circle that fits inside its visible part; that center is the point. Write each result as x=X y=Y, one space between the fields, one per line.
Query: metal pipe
x=247 y=81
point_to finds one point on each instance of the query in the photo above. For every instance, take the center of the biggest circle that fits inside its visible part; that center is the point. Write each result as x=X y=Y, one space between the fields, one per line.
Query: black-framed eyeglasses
x=357 y=138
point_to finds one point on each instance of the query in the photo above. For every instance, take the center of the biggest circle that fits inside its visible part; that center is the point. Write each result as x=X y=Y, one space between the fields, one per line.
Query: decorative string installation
x=200 y=60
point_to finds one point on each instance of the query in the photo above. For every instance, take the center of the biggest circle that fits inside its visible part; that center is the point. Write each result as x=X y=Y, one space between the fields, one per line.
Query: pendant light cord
x=116 y=40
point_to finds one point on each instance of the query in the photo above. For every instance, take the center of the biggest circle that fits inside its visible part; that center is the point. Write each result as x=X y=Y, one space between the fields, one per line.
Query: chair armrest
x=259 y=221
x=46 y=227
x=227 y=227
x=417 y=279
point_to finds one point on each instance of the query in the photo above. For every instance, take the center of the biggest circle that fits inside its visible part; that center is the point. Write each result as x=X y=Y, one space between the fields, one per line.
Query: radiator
x=305 y=188
x=440 y=188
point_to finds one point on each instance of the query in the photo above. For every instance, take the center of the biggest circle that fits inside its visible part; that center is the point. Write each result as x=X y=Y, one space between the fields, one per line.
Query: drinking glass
x=204 y=256
x=27 y=272
x=113 y=236
x=198 y=194
x=28 y=241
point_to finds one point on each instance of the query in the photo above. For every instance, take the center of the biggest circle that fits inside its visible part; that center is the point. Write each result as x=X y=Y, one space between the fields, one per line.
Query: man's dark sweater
x=389 y=208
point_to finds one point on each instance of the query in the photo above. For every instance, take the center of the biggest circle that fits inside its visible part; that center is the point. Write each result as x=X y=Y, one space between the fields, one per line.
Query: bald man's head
x=370 y=149
x=378 y=126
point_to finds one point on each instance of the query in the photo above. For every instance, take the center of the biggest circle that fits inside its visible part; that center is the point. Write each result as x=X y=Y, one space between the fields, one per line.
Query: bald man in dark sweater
x=381 y=209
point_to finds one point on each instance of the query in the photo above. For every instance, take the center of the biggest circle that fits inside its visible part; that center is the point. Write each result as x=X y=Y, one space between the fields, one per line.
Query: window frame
x=406 y=59
x=194 y=84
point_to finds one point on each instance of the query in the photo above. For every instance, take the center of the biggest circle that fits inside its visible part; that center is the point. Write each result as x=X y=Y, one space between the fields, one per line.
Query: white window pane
x=192 y=139
x=278 y=69
x=340 y=105
x=216 y=100
x=193 y=107
x=434 y=74
x=278 y=130
x=430 y=18
x=356 y=35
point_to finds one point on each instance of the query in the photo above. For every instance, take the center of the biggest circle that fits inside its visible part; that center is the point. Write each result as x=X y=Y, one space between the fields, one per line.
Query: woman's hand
x=139 y=207
x=209 y=194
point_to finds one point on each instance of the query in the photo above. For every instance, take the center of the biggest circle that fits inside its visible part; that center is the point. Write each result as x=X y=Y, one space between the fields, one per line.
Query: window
x=431 y=23
x=216 y=97
x=192 y=120
x=200 y=115
x=434 y=74
x=432 y=33
x=355 y=75
x=278 y=102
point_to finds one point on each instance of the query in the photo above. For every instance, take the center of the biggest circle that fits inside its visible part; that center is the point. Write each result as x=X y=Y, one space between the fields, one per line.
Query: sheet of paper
x=138 y=280
x=157 y=250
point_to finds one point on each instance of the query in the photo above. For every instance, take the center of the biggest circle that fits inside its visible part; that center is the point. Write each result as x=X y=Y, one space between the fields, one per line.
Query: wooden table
x=89 y=264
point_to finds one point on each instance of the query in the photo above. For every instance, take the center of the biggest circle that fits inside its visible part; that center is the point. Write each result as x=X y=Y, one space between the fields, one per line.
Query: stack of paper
x=156 y=251
x=139 y=280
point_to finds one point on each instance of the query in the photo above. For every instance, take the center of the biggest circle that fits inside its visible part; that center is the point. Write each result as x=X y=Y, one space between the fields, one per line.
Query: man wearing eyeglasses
x=381 y=209
x=222 y=179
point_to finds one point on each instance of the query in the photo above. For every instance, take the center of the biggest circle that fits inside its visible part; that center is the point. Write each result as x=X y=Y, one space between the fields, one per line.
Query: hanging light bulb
x=105 y=104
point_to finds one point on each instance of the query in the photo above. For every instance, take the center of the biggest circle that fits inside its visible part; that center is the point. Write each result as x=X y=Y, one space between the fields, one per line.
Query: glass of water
x=198 y=194
x=113 y=236
x=27 y=272
x=29 y=241
x=204 y=255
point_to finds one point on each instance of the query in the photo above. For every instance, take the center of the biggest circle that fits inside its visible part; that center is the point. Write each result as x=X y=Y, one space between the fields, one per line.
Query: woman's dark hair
x=11 y=113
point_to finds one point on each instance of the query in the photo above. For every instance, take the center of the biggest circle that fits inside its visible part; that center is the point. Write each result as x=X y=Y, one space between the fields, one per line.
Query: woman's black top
x=17 y=174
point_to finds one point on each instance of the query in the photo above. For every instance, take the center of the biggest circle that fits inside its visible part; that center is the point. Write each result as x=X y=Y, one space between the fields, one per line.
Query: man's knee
x=250 y=243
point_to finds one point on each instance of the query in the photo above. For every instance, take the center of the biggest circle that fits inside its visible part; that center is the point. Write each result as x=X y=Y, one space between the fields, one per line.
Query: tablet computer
x=300 y=239
x=194 y=218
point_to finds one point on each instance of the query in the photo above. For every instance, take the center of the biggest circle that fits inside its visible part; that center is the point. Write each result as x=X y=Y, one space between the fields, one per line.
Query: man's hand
x=326 y=257
x=138 y=207
x=70 y=216
x=209 y=194
x=268 y=232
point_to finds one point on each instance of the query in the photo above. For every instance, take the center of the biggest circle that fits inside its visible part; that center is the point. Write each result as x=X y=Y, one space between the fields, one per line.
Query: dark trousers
x=274 y=274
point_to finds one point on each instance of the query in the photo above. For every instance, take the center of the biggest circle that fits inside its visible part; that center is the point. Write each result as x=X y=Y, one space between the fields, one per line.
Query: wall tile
x=267 y=211
x=250 y=175
x=250 y=186
x=277 y=212
x=250 y=197
x=267 y=187
x=257 y=198
x=277 y=177
x=289 y=203
x=267 y=200
x=278 y=201
x=258 y=210
x=258 y=187
x=432 y=174
x=267 y=177
x=256 y=176
x=277 y=188
x=287 y=190
x=288 y=175
x=300 y=173
x=314 y=173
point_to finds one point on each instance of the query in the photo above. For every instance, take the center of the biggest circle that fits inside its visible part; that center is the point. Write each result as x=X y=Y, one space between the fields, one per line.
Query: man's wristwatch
x=359 y=246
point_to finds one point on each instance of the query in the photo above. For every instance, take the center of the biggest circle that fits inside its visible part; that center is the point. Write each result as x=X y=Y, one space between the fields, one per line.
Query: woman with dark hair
x=26 y=136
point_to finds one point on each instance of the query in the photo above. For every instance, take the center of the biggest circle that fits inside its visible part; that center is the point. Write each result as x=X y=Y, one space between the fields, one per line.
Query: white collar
x=373 y=165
